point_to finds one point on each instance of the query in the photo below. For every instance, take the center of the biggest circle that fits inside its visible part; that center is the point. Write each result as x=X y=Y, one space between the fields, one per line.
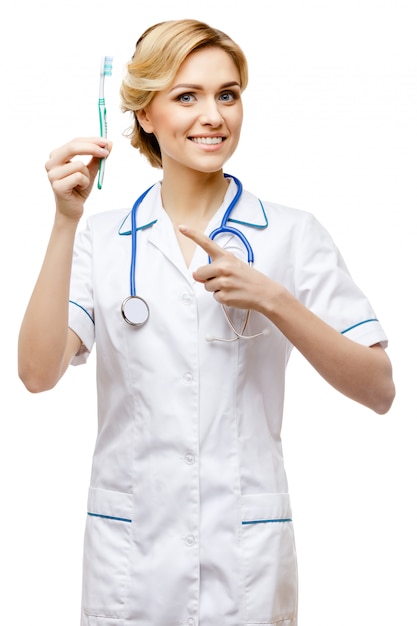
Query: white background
x=330 y=127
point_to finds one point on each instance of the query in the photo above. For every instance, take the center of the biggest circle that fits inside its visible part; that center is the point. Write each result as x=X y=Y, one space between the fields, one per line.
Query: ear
x=144 y=120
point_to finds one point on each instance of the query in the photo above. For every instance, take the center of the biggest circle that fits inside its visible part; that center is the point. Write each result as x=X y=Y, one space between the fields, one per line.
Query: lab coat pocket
x=106 y=556
x=270 y=560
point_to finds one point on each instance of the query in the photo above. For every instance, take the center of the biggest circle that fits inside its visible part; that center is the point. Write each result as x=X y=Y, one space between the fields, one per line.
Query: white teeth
x=208 y=140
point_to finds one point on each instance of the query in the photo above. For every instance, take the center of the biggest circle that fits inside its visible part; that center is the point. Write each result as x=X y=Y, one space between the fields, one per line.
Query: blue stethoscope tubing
x=224 y=228
x=135 y=310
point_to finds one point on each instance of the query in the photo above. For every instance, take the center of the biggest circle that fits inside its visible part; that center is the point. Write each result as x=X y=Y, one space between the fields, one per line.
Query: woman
x=189 y=519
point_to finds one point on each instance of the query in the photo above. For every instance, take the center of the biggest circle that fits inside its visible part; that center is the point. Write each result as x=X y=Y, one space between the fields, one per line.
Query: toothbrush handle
x=103 y=133
x=101 y=173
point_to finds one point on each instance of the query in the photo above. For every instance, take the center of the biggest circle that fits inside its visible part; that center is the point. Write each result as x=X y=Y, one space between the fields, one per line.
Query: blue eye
x=186 y=98
x=228 y=97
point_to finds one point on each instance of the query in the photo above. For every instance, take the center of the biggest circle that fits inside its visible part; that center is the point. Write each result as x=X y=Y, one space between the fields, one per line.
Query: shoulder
x=281 y=215
x=113 y=217
x=104 y=223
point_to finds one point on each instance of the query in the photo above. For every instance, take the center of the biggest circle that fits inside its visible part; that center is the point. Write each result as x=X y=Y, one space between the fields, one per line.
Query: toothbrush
x=106 y=70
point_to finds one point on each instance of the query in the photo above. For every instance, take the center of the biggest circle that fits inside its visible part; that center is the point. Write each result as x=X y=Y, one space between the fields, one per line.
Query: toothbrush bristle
x=108 y=66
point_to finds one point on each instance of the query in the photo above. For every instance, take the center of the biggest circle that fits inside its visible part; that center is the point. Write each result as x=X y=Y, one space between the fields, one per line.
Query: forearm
x=44 y=330
x=359 y=372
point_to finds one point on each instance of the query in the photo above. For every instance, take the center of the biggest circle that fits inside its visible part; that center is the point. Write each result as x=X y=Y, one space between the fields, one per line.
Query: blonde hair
x=159 y=53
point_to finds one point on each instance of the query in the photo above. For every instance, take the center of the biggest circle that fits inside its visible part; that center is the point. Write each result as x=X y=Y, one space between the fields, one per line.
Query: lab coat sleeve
x=325 y=286
x=81 y=303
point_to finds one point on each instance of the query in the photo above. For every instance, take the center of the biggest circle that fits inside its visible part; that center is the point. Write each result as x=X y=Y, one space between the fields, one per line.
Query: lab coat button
x=188 y=378
x=189 y=540
x=186 y=298
x=189 y=458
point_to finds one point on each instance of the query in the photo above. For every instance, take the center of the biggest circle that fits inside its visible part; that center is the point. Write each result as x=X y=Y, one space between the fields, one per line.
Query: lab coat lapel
x=164 y=238
x=147 y=213
x=249 y=211
x=150 y=216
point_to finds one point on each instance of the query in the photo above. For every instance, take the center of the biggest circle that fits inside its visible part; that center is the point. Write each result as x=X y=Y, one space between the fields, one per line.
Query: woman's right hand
x=71 y=179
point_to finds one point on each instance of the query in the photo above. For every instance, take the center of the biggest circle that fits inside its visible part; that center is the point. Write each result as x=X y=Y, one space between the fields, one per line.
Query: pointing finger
x=213 y=250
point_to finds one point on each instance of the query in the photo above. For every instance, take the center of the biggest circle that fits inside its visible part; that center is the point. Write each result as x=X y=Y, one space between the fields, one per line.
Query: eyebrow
x=233 y=83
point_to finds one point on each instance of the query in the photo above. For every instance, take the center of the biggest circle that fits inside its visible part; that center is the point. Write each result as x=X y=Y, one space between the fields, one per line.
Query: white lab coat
x=189 y=518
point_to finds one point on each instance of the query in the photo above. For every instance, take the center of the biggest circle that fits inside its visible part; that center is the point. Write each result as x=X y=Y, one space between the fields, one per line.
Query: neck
x=193 y=199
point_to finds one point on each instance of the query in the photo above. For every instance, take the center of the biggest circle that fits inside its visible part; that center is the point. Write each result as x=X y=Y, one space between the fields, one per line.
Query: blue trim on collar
x=244 y=222
x=129 y=232
x=251 y=224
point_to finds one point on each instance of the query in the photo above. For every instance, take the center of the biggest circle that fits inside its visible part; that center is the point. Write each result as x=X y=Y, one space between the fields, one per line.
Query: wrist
x=273 y=299
x=63 y=221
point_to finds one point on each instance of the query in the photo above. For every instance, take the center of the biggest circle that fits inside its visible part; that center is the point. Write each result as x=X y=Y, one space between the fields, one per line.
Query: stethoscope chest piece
x=135 y=311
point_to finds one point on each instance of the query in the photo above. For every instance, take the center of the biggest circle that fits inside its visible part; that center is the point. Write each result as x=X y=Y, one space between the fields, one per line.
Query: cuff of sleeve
x=367 y=333
x=82 y=324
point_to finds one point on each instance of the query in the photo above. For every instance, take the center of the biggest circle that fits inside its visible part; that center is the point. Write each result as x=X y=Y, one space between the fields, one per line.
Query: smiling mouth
x=207 y=140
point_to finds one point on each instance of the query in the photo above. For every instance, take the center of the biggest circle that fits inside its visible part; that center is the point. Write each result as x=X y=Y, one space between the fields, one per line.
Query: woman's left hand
x=232 y=281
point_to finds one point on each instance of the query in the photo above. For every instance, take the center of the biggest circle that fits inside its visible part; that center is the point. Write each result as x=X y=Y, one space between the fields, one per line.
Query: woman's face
x=197 y=120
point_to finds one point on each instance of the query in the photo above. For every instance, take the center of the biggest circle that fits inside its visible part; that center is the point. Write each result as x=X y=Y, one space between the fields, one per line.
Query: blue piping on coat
x=267 y=521
x=373 y=319
x=118 y=519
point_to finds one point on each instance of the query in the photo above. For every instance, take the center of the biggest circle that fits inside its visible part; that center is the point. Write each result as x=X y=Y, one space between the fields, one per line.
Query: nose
x=210 y=113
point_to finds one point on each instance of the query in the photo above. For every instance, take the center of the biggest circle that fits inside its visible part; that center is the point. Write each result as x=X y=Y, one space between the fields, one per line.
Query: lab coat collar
x=147 y=213
x=249 y=211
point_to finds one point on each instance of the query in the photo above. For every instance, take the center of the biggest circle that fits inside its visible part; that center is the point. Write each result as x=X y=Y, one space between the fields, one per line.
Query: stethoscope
x=135 y=310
